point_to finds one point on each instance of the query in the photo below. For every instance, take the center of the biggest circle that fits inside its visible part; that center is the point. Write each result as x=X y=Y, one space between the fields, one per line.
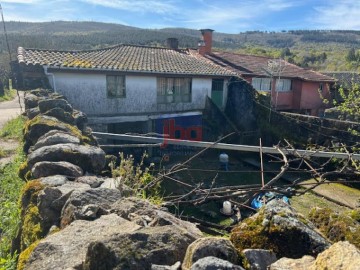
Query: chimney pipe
x=205 y=45
x=172 y=43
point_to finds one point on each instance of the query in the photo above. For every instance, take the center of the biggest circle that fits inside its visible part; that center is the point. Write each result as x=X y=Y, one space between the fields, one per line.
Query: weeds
x=13 y=128
x=136 y=176
x=10 y=187
x=9 y=95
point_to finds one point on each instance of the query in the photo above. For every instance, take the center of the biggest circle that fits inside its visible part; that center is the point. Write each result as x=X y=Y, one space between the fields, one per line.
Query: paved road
x=10 y=109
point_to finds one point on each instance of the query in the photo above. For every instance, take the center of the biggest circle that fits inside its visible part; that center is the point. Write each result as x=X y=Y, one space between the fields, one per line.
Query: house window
x=261 y=84
x=173 y=90
x=321 y=87
x=283 y=85
x=115 y=86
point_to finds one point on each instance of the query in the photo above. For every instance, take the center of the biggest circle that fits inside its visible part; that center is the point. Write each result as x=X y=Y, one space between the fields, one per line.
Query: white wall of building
x=87 y=92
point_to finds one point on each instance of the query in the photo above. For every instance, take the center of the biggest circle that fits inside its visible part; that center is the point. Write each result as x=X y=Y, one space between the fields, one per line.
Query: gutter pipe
x=52 y=76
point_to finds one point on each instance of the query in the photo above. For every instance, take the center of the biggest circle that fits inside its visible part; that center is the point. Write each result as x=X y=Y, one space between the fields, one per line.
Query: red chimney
x=205 y=44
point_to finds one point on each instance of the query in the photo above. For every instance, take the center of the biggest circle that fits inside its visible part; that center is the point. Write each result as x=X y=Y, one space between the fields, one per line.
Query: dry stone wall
x=74 y=217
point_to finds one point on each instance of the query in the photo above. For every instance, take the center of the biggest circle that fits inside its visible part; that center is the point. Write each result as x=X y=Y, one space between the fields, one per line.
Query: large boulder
x=54 y=180
x=258 y=259
x=31 y=113
x=340 y=256
x=109 y=242
x=92 y=180
x=89 y=158
x=31 y=101
x=210 y=246
x=55 y=137
x=293 y=264
x=61 y=114
x=214 y=263
x=67 y=248
x=279 y=228
x=88 y=204
x=163 y=245
x=52 y=199
x=41 y=124
x=49 y=103
x=47 y=168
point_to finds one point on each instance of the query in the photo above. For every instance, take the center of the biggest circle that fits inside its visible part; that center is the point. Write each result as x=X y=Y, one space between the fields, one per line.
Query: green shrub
x=136 y=177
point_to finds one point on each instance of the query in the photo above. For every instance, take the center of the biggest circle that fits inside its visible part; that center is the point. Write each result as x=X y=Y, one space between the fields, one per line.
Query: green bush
x=137 y=177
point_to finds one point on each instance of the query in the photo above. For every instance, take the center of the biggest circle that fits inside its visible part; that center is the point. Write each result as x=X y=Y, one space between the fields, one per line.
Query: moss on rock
x=30 y=217
x=337 y=227
x=40 y=125
x=23 y=169
x=25 y=255
x=277 y=227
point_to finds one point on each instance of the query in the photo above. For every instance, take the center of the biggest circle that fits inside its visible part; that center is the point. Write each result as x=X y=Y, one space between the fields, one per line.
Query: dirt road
x=10 y=109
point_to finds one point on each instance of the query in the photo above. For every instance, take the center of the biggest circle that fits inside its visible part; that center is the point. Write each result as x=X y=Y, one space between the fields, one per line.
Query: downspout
x=52 y=76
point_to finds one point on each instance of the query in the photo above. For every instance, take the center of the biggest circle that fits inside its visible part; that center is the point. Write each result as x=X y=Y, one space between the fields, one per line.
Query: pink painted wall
x=310 y=97
x=282 y=100
x=303 y=96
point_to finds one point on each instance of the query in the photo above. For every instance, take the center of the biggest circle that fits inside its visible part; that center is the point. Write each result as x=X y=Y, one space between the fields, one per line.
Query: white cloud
x=343 y=14
x=150 y=6
x=29 y=2
x=279 y=5
x=235 y=13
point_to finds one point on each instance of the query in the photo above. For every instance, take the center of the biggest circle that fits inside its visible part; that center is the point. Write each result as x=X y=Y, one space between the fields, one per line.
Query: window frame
x=285 y=83
x=261 y=81
x=171 y=87
x=123 y=86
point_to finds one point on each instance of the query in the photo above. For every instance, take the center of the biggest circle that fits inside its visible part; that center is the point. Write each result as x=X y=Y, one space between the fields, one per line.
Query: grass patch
x=10 y=190
x=9 y=95
x=2 y=153
x=13 y=128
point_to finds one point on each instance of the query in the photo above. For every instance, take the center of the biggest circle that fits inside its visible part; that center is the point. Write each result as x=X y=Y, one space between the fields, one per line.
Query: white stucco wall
x=87 y=92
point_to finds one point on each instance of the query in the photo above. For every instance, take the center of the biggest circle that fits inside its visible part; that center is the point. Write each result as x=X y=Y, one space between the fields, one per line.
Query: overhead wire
x=9 y=52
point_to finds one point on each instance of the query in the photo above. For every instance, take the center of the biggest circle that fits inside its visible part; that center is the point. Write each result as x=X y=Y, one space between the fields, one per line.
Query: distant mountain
x=324 y=50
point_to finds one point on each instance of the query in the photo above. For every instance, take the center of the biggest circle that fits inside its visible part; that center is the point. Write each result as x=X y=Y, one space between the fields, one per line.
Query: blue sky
x=229 y=16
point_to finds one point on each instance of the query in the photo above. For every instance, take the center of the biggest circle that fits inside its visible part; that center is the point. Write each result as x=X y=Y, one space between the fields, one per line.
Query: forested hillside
x=320 y=50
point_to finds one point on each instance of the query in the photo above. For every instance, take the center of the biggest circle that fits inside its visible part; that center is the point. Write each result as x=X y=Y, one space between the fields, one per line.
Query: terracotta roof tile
x=258 y=66
x=125 y=58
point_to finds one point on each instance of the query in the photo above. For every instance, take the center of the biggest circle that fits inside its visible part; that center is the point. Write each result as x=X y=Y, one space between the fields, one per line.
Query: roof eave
x=56 y=68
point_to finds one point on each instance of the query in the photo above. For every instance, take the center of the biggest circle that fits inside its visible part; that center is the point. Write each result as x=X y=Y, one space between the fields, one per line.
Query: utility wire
x=9 y=51
x=5 y=33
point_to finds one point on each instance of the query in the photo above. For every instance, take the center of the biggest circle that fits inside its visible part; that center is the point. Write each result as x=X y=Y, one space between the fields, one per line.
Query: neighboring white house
x=130 y=84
